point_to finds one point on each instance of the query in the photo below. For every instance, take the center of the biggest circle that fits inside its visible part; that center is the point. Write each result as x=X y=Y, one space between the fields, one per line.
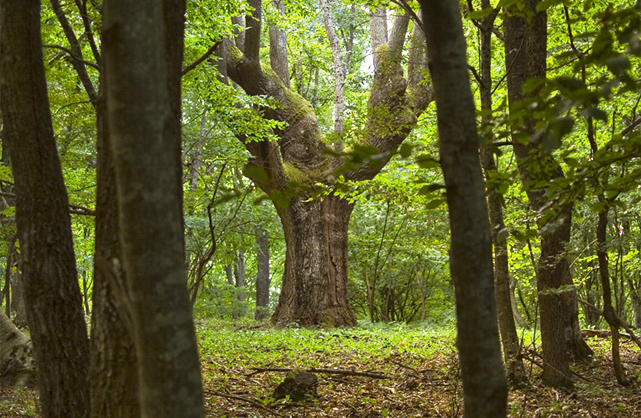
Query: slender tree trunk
x=142 y=44
x=229 y=273
x=262 y=276
x=52 y=295
x=114 y=375
x=509 y=338
x=239 y=275
x=314 y=289
x=340 y=72
x=484 y=383
x=608 y=309
x=278 y=47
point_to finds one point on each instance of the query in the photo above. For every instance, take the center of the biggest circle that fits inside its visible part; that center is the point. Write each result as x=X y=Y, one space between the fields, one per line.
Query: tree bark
x=278 y=47
x=314 y=289
x=52 y=295
x=239 y=275
x=608 y=309
x=142 y=54
x=262 y=276
x=340 y=72
x=114 y=375
x=526 y=54
x=17 y=367
x=484 y=383
x=113 y=371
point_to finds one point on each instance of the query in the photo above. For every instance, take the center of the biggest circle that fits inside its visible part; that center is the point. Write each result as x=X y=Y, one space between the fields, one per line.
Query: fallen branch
x=540 y=365
x=373 y=375
x=621 y=322
x=240 y=398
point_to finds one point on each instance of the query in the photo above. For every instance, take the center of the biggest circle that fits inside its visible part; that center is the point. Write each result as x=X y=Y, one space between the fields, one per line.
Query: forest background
x=398 y=271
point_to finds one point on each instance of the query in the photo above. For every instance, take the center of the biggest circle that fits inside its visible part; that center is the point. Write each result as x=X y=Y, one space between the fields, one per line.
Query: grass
x=420 y=363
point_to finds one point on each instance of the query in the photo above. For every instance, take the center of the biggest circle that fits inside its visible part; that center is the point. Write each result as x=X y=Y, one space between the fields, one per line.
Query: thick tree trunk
x=52 y=295
x=262 y=276
x=142 y=44
x=17 y=367
x=484 y=383
x=314 y=289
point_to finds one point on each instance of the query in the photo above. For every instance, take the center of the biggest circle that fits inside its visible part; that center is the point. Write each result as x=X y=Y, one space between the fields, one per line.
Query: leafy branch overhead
x=302 y=153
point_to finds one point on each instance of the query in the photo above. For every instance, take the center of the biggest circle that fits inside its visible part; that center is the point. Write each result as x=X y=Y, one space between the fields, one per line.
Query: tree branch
x=206 y=55
x=253 y=22
x=373 y=375
x=82 y=8
x=75 y=52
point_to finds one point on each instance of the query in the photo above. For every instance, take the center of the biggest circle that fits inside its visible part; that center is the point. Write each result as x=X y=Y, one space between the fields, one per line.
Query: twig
x=373 y=375
x=240 y=398
x=73 y=56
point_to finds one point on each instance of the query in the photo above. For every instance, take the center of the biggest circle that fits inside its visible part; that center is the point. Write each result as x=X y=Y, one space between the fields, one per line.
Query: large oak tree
x=314 y=287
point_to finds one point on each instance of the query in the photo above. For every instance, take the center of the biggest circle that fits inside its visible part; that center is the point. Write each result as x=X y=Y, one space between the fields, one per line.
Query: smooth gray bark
x=17 y=367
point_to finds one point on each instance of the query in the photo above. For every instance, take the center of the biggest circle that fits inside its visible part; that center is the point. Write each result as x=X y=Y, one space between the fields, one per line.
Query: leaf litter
x=423 y=378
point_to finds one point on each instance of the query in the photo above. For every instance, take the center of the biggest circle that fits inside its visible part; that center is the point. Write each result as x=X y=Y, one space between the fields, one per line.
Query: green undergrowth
x=306 y=348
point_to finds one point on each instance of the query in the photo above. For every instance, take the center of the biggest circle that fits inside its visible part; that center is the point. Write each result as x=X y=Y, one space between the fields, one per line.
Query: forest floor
x=413 y=372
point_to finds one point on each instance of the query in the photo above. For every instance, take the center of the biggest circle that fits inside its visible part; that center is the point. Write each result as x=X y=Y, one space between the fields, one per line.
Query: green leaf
x=405 y=150
x=428 y=189
x=433 y=204
x=480 y=14
x=427 y=161
x=595 y=113
x=546 y=4
x=618 y=65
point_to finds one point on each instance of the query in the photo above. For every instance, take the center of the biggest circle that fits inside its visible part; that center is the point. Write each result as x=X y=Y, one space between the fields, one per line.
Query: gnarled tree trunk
x=314 y=290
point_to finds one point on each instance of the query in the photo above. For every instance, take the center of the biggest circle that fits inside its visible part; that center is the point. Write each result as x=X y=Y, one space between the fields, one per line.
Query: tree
x=526 y=55
x=113 y=371
x=484 y=384
x=262 y=276
x=142 y=57
x=52 y=295
x=17 y=366
x=314 y=287
x=509 y=338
